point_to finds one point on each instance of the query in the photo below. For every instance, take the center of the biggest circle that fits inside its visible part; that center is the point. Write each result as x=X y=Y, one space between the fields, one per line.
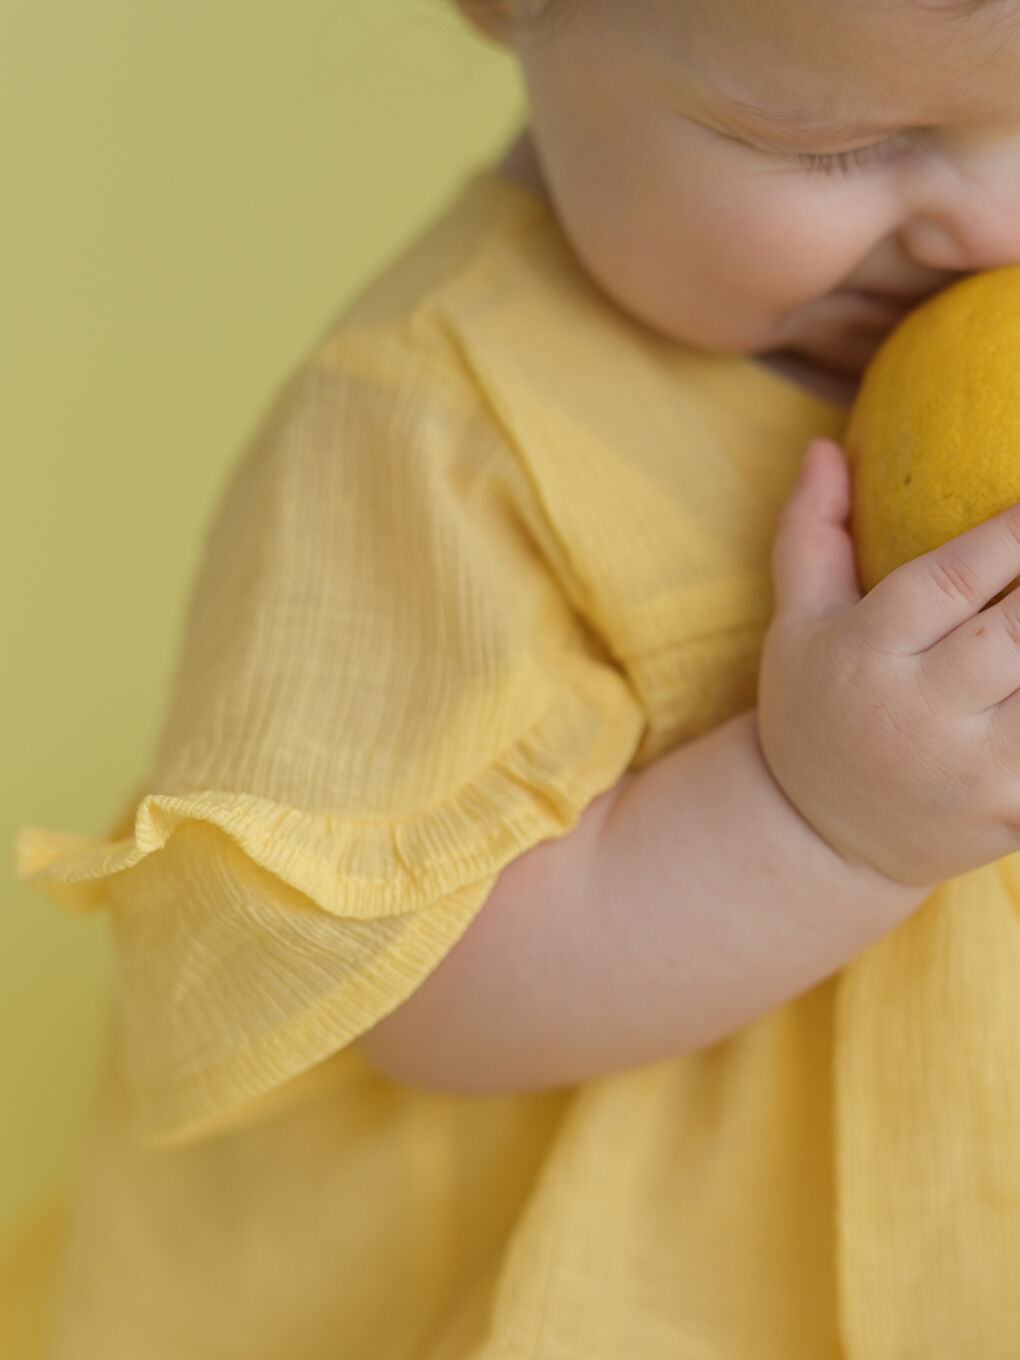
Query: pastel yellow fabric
x=493 y=544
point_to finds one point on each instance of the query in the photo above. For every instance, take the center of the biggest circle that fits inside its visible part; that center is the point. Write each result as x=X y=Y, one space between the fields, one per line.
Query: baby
x=783 y=179
x=564 y=919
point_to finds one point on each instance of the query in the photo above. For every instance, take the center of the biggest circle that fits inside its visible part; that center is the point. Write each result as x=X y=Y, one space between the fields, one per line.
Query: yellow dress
x=494 y=543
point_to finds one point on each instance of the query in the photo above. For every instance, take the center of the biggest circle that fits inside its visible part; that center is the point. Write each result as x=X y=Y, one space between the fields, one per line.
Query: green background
x=192 y=191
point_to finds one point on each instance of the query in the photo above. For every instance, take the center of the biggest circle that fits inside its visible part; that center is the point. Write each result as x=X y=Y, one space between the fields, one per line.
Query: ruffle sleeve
x=383 y=698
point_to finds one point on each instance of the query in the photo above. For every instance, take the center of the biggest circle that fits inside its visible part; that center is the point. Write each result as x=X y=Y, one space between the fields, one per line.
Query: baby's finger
x=1004 y=730
x=922 y=601
x=978 y=664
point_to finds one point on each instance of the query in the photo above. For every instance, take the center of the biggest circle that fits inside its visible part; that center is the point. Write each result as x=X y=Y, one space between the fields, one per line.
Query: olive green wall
x=191 y=192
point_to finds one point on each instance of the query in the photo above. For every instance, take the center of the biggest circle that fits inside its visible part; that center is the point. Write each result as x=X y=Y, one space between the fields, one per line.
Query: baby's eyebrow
x=816 y=121
x=959 y=7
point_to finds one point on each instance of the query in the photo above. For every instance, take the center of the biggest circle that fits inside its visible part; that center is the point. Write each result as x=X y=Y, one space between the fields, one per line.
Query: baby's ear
x=489 y=17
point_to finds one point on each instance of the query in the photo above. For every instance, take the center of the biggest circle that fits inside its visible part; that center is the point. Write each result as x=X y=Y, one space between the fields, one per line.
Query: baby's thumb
x=814 y=567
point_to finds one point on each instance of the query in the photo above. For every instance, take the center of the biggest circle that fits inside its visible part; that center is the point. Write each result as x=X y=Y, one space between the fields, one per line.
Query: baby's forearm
x=688 y=900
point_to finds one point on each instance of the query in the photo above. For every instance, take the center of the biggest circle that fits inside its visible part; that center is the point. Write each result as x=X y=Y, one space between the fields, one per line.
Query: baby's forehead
x=963 y=9
x=930 y=14
x=919 y=63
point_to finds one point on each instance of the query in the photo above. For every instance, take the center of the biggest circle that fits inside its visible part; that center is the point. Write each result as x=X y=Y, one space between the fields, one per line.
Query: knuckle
x=857 y=635
x=955 y=578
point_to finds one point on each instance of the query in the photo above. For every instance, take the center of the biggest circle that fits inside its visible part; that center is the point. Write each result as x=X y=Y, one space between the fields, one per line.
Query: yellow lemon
x=933 y=440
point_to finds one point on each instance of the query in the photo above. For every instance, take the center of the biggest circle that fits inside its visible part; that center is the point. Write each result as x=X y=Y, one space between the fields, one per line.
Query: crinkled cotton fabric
x=492 y=544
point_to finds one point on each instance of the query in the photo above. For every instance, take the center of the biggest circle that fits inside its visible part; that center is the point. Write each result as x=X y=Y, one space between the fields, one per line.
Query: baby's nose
x=964 y=212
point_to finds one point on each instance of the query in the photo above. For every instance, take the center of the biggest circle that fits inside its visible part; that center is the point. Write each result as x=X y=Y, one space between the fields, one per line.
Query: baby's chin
x=834 y=334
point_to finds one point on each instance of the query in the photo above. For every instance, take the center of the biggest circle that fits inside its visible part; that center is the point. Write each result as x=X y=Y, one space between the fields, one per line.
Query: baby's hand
x=892 y=721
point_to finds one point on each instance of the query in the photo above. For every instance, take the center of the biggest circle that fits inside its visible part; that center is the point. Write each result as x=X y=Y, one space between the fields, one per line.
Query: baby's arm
x=689 y=899
x=744 y=867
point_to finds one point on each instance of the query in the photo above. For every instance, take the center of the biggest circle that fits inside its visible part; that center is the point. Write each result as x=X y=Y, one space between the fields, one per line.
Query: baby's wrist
x=854 y=868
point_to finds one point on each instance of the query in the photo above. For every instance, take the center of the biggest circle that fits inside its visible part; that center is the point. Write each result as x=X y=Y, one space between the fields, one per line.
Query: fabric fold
x=927 y=1088
x=376 y=868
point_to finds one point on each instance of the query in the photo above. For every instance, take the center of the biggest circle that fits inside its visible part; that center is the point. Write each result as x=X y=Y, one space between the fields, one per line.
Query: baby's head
x=668 y=136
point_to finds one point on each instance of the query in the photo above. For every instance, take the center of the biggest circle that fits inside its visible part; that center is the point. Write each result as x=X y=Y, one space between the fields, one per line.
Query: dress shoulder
x=383 y=697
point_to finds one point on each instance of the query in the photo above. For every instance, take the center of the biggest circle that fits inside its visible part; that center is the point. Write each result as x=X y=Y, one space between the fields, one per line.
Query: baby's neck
x=841 y=388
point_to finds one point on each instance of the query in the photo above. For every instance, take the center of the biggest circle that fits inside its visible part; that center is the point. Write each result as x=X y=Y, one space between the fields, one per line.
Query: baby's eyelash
x=845 y=161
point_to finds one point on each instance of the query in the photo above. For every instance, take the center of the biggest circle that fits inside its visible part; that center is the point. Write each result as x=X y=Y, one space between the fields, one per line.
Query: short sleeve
x=383 y=698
